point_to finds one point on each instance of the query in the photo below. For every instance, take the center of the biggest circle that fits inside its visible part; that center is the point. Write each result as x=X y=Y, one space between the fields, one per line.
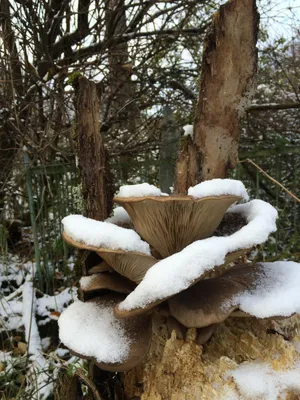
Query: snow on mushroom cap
x=276 y=292
x=120 y=216
x=103 y=234
x=177 y=272
x=140 y=190
x=219 y=187
x=98 y=333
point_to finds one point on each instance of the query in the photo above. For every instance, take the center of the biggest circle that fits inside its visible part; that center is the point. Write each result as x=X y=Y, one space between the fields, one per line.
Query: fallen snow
x=219 y=187
x=103 y=234
x=120 y=216
x=188 y=130
x=177 y=272
x=140 y=190
x=260 y=381
x=276 y=292
x=92 y=330
x=86 y=281
x=46 y=304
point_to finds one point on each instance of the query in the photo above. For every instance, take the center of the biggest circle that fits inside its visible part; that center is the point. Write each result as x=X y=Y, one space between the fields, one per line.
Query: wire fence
x=54 y=192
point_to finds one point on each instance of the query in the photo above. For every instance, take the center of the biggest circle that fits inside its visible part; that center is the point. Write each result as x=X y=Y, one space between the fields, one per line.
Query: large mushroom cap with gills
x=109 y=281
x=259 y=290
x=91 y=331
x=200 y=259
x=133 y=265
x=123 y=313
x=170 y=223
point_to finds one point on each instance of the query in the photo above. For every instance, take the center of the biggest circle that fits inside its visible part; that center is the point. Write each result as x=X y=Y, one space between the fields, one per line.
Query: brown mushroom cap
x=105 y=281
x=138 y=331
x=132 y=265
x=101 y=267
x=170 y=223
x=208 y=301
x=120 y=313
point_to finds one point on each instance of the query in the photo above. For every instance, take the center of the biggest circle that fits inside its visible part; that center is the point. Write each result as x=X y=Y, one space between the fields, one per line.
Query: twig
x=81 y=375
x=271 y=178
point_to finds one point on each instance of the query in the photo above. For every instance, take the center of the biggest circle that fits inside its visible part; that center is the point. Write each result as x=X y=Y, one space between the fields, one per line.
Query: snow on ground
x=277 y=292
x=177 y=272
x=103 y=234
x=120 y=216
x=93 y=331
x=140 y=190
x=19 y=309
x=260 y=382
x=219 y=187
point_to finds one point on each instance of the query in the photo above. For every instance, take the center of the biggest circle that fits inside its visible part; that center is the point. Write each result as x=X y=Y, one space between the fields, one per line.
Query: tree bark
x=96 y=183
x=227 y=83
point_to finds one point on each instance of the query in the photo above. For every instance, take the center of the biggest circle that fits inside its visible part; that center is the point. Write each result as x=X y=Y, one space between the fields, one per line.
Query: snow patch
x=177 y=272
x=260 y=381
x=188 y=130
x=103 y=234
x=140 y=190
x=219 y=187
x=120 y=216
x=98 y=333
x=276 y=292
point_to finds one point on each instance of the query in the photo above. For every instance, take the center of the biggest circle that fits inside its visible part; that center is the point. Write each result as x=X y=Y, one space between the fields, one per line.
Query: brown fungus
x=170 y=223
x=138 y=331
x=132 y=265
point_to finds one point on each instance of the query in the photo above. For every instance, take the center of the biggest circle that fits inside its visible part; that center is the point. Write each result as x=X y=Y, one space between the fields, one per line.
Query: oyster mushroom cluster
x=172 y=253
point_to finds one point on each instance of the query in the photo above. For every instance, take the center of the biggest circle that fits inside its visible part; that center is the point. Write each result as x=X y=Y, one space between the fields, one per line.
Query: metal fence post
x=33 y=220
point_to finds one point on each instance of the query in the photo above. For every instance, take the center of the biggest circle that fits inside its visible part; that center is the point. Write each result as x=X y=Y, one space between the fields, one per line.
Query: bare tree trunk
x=96 y=185
x=227 y=83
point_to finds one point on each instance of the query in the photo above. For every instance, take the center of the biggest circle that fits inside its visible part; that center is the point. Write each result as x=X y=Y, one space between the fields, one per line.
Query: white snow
x=46 y=304
x=103 y=234
x=188 y=130
x=178 y=272
x=140 y=190
x=86 y=281
x=219 y=187
x=120 y=216
x=260 y=381
x=92 y=330
x=276 y=292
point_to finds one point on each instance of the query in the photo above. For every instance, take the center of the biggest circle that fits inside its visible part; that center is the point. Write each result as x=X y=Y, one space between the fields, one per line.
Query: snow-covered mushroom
x=206 y=236
x=90 y=330
x=176 y=273
x=261 y=290
x=121 y=248
x=170 y=223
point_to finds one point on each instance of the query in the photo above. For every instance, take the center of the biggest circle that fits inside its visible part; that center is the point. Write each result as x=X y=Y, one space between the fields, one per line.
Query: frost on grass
x=219 y=187
x=140 y=190
x=276 y=292
x=93 y=331
x=120 y=216
x=177 y=272
x=260 y=381
x=103 y=234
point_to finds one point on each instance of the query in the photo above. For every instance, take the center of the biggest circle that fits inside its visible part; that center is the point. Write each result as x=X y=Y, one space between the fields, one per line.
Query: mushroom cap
x=170 y=223
x=132 y=265
x=86 y=323
x=112 y=281
x=120 y=313
x=244 y=288
x=101 y=267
